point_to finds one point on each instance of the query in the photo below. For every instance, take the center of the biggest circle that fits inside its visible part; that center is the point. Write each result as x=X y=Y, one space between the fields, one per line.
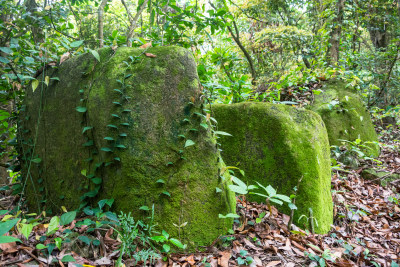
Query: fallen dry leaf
x=149 y=55
x=8 y=248
x=146 y=45
x=273 y=263
x=224 y=260
x=64 y=57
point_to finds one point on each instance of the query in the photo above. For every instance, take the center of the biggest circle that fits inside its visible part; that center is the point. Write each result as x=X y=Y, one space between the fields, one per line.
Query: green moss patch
x=278 y=145
x=345 y=116
x=149 y=163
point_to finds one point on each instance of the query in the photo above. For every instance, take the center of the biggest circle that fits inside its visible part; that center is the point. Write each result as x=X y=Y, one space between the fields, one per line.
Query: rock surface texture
x=278 y=145
x=128 y=127
x=345 y=116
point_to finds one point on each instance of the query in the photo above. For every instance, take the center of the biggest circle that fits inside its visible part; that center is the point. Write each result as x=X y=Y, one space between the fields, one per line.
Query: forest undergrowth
x=366 y=230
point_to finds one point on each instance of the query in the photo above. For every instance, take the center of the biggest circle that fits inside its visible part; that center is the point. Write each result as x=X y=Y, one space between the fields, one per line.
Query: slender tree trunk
x=334 y=42
x=133 y=21
x=100 y=18
x=236 y=38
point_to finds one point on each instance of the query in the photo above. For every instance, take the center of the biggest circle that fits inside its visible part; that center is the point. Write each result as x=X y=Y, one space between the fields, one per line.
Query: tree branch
x=236 y=38
x=133 y=22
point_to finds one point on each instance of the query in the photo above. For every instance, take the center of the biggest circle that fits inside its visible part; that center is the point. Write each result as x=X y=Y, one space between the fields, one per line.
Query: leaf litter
x=366 y=231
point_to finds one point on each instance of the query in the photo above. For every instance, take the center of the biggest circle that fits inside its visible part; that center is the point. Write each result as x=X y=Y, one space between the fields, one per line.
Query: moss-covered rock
x=345 y=116
x=278 y=145
x=125 y=129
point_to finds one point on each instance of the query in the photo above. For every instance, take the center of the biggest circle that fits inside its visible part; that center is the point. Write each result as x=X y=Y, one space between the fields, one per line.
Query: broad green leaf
x=26 y=229
x=271 y=191
x=40 y=246
x=85 y=239
x=160 y=181
x=277 y=201
x=165 y=234
x=35 y=84
x=8 y=239
x=112 y=216
x=218 y=190
x=106 y=149
x=68 y=258
x=144 y=208
x=6 y=50
x=7 y=225
x=58 y=242
x=189 y=143
x=4 y=60
x=107 y=202
x=239 y=182
x=95 y=54
x=166 y=248
x=67 y=218
x=177 y=243
x=237 y=189
x=53 y=225
x=283 y=197
x=76 y=44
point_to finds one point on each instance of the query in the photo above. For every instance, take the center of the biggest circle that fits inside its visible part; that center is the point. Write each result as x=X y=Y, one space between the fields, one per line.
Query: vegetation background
x=261 y=50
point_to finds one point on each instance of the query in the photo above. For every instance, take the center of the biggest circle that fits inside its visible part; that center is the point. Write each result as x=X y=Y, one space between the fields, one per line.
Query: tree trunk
x=334 y=42
x=101 y=22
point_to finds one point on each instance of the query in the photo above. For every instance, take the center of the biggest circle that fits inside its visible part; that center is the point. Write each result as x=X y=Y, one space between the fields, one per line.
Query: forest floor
x=366 y=230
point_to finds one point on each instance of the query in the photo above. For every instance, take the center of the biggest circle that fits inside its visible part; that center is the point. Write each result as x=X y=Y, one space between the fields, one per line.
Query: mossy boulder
x=345 y=116
x=131 y=128
x=278 y=145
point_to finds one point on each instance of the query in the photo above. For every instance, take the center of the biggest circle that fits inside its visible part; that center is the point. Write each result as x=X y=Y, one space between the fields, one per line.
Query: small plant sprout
x=310 y=220
x=272 y=196
x=240 y=187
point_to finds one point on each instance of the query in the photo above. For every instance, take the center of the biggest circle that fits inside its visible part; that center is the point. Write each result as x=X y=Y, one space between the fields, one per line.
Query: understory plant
x=139 y=239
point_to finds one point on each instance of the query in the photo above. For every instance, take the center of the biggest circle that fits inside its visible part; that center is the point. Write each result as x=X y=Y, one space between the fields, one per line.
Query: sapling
x=272 y=196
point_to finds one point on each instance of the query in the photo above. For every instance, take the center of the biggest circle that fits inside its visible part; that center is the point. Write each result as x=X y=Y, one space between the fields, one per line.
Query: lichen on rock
x=345 y=116
x=149 y=163
x=278 y=145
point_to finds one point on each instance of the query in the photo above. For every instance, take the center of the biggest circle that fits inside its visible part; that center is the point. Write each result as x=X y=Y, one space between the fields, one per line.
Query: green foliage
x=138 y=239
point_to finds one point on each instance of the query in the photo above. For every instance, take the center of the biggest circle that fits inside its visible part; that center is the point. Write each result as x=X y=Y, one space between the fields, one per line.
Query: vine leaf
x=81 y=109
x=189 y=143
x=86 y=128
x=37 y=160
